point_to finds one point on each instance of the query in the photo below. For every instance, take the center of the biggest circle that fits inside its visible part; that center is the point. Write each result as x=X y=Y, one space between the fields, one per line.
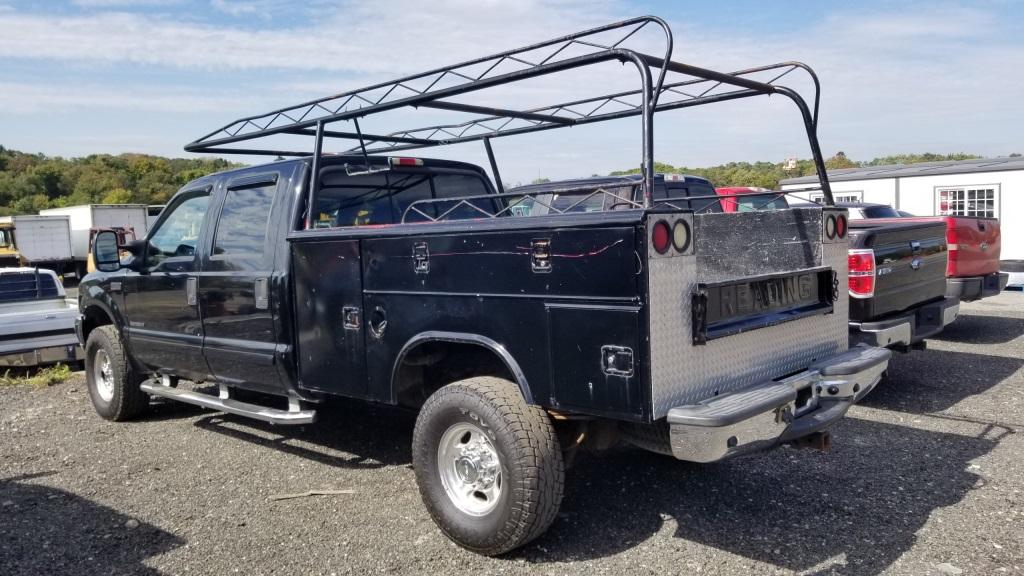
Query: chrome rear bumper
x=976 y=287
x=908 y=328
x=777 y=411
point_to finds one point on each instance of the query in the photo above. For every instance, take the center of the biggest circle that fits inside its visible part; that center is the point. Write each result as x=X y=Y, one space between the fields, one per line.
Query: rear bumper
x=775 y=412
x=908 y=328
x=976 y=287
x=38 y=351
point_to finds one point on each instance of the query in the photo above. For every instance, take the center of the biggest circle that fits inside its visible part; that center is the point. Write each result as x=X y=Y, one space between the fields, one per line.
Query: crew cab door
x=235 y=283
x=164 y=330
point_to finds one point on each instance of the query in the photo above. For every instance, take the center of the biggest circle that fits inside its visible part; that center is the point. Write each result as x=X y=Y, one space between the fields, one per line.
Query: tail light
x=952 y=248
x=841 y=226
x=680 y=236
x=862 y=273
x=830 y=227
x=661 y=237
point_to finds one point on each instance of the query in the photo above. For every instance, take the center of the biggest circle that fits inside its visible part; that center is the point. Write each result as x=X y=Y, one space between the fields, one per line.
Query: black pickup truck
x=517 y=335
x=898 y=283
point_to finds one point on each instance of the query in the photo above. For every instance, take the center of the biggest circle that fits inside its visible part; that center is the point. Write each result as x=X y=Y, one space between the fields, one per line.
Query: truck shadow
x=936 y=380
x=853 y=511
x=46 y=530
x=347 y=434
x=977 y=329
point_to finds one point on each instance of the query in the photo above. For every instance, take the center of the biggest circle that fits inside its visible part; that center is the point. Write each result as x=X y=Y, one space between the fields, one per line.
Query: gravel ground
x=925 y=477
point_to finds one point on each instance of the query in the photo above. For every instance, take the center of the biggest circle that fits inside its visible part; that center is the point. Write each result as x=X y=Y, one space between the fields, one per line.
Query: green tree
x=118 y=196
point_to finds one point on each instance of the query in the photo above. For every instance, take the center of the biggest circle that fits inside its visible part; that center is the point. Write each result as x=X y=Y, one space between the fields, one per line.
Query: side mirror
x=105 y=254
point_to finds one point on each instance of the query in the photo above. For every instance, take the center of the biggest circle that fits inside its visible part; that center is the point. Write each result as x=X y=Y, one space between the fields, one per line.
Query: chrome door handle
x=190 y=291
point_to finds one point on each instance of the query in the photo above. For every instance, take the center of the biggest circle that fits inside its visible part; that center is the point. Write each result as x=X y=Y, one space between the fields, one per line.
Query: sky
x=79 y=77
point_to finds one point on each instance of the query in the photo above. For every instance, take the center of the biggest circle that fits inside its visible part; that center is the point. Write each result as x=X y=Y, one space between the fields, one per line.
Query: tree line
x=32 y=182
x=768 y=174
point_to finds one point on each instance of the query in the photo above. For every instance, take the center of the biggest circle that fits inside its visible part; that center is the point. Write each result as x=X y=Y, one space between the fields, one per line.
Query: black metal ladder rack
x=431 y=90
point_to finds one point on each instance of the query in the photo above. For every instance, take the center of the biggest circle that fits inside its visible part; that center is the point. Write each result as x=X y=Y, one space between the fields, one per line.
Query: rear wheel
x=488 y=465
x=113 y=385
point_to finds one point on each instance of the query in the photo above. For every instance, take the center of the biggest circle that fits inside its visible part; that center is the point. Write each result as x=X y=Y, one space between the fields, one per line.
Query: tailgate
x=973 y=246
x=910 y=265
x=752 y=297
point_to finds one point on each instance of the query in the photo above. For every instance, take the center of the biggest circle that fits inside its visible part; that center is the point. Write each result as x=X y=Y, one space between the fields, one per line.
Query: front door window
x=178 y=234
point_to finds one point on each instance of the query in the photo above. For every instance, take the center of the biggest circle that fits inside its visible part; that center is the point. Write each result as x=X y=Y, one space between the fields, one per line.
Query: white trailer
x=87 y=217
x=41 y=240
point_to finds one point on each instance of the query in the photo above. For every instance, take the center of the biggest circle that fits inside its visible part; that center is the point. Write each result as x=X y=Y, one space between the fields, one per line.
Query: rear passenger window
x=385 y=198
x=242 y=228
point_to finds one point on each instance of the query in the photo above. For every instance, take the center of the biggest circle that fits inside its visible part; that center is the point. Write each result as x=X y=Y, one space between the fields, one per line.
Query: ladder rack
x=664 y=85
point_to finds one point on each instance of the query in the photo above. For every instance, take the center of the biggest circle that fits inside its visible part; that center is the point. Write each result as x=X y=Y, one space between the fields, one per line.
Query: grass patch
x=39 y=378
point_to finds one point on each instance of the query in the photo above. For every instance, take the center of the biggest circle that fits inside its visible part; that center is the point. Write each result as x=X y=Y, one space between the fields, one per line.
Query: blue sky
x=87 y=76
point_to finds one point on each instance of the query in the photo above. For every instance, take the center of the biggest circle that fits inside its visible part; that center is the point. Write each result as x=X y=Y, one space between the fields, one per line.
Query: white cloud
x=124 y=3
x=898 y=80
x=352 y=37
x=25 y=99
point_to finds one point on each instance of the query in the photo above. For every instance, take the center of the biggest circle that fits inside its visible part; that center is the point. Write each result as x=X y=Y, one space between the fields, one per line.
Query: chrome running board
x=293 y=415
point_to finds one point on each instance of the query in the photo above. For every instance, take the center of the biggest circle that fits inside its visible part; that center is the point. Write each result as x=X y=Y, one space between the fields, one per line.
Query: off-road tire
x=128 y=400
x=532 y=469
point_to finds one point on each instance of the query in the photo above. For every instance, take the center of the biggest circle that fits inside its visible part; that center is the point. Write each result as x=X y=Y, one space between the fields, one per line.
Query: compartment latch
x=617 y=360
x=540 y=255
x=420 y=258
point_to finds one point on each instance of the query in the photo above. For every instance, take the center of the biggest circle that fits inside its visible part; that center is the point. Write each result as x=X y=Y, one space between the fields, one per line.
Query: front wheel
x=113 y=384
x=488 y=465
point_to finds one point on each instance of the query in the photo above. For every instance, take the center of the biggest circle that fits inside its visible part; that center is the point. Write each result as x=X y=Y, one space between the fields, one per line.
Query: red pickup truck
x=749 y=199
x=972 y=272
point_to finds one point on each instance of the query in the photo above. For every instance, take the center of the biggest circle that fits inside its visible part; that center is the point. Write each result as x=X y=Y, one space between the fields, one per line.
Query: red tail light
x=862 y=273
x=841 y=226
x=952 y=248
x=661 y=237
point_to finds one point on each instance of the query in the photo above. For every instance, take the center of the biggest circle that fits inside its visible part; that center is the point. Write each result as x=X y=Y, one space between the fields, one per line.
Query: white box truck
x=89 y=217
x=43 y=241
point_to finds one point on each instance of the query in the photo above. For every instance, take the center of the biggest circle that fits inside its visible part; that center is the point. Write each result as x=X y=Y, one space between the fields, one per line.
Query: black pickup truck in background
x=897 y=283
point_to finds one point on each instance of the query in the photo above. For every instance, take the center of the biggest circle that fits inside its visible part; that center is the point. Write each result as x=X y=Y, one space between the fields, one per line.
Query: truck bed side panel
x=489 y=284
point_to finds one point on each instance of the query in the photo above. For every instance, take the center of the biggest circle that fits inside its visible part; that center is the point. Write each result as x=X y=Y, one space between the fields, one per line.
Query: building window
x=855 y=196
x=975 y=201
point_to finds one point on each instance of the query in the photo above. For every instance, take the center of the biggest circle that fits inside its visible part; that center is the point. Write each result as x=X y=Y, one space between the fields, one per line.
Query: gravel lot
x=926 y=477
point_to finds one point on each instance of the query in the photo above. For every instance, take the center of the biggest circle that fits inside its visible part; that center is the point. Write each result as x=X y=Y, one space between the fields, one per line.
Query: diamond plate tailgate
x=727 y=247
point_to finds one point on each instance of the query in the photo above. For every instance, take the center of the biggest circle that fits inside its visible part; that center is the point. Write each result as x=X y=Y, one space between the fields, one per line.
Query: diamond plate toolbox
x=731 y=247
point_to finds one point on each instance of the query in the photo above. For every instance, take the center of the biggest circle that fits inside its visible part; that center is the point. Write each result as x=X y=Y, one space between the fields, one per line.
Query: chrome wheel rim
x=470 y=469
x=103 y=375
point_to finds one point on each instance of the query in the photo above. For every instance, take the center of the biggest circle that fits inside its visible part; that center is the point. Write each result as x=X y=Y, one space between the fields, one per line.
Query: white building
x=990 y=188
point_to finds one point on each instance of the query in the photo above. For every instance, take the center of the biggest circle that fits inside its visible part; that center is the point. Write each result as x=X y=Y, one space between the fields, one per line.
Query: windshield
x=880 y=212
x=755 y=202
x=675 y=192
x=5 y=238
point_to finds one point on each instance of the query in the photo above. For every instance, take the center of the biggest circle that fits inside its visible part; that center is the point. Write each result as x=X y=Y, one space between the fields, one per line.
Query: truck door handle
x=915 y=247
x=260 y=293
x=190 y=291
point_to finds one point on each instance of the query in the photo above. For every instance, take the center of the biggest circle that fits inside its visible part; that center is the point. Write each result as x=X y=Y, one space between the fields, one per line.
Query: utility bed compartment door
x=328 y=317
x=594 y=357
